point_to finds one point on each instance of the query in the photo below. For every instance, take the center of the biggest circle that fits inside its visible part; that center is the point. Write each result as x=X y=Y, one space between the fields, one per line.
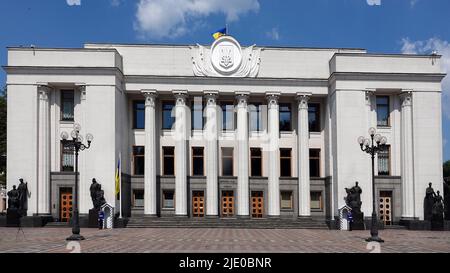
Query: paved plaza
x=165 y=240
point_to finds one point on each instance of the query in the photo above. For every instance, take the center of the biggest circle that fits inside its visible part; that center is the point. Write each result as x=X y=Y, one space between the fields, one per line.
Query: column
x=303 y=156
x=212 y=160
x=44 y=151
x=181 y=166
x=273 y=153
x=407 y=171
x=150 y=199
x=242 y=155
x=84 y=198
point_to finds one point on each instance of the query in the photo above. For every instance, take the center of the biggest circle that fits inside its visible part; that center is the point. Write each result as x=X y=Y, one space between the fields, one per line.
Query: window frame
x=164 y=199
x=255 y=108
x=62 y=152
x=198 y=156
x=285 y=158
x=388 y=162
x=388 y=105
x=291 y=199
x=193 y=111
x=315 y=158
x=321 y=205
x=164 y=155
x=290 y=116
x=135 y=103
x=234 y=118
x=134 y=159
x=62 y=100
x=260 y=163
x=165 y=102
x=222 y=156
x=317 y=116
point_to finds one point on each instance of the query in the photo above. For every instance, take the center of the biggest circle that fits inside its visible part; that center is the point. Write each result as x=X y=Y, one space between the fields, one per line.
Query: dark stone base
x=120 y=222
x=368 y=223
x=93 y=218
x=83 y=221
x=447 y=225
x=414 y=224
x=13 y=218
x=36 y=220
x=2 y=220
x=243 y=216
x=358 y=221
x=332 y=224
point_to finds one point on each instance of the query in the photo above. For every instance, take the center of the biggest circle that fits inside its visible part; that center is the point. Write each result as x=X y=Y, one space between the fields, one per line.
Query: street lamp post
x=372 y=146
x=77 y=144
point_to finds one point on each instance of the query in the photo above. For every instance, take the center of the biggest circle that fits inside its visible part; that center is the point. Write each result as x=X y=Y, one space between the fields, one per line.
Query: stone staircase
x=261 y=223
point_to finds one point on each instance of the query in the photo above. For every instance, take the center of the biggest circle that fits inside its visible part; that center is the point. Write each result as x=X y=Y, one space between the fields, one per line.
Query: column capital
x=272 y=99
x=303 y=98
x=180 y=97
x=82 y=88
x=150 y=96
x=211 y=97
x=369 y=93
x=44 y=91
x=242 y=98
x=406 y=98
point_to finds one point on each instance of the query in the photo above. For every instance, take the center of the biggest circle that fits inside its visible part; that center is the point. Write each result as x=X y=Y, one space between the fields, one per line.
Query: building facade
x=224 y=130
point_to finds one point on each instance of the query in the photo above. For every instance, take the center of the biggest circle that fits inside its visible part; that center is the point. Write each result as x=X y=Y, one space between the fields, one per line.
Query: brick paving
x=167 y=240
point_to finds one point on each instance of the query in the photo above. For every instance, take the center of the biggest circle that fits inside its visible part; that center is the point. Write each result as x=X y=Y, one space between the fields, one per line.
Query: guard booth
x=344 y=223
x=108 y=211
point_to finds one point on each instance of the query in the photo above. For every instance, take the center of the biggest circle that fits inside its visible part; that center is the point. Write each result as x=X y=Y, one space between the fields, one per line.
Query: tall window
x=67 y=105
x=285 y=162
x=227 y=161
x=168 y=199
x=168 y=120
x=256 y=119
x=384 y=161
x=383 y=111
x=139 y=114
x=314 y=117
x=138 y=160
x=286 y=200
x=285 y=117
x=168 y=160
x=314 y=162
x=138 y=198
x=197 y=161
x=227 y=116
x=67 y=158
x=256 y=162
x=316 y=200
x=197 y=115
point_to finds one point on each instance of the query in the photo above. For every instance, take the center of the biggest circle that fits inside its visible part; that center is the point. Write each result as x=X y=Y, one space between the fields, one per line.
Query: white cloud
x=373 y=2
x=73 y=2
x=413 y=3
x=115 y=3
x=273 y=34
x=171 y=18
x=443 y=48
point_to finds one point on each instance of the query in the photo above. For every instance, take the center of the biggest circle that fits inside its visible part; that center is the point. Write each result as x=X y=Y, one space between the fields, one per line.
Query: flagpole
x=120 y=185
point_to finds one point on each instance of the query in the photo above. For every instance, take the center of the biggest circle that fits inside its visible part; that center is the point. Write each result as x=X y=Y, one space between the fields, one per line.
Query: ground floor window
x=67 y=157
x=197 y=161
x=138 y=160
x=314 y=162
x=285 y=162
x=227 y=161
x=168 y=199
x=316 y=200
x=138 y=198
x=168 y=160
x=286 y=200
x=256 y=161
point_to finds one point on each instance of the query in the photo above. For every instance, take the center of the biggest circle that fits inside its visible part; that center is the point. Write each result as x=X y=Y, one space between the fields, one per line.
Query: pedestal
x=93 y=218
x=13 y=218
x=358 y=221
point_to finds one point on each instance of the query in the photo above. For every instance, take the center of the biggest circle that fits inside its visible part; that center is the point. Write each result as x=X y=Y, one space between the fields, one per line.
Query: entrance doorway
x=257 y=204
x=198 y=204
x=65 y=208
x=227 y=204
x=385 y=207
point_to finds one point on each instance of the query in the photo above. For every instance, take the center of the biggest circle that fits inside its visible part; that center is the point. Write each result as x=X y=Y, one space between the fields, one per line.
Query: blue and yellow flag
x=118 y=178
x=219 y=33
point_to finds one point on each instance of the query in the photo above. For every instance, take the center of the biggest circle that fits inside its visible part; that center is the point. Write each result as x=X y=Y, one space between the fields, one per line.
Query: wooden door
x=198 y=204
x=257 y=204
x=227 y=204
x=385 y=207
x=65 y=205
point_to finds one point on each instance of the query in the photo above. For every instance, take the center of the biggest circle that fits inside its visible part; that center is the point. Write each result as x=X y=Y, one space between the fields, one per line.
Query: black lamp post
x=372 y=146
x=77 y=144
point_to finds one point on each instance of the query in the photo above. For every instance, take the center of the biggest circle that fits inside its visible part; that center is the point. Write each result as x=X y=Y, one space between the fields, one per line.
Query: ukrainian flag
x=118 y=178
x=219 y=33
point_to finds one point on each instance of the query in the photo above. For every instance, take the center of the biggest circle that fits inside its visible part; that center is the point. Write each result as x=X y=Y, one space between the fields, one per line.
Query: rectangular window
x=314 y=162
x=228 y=116
x=286 y=200
x=227 y=161
x=197 y=115
x=384 y=161
x=67 y=158
x=285 y=162
x=138 y=114
x=168 y=199
x=67 y=105
x=314 y=117
x=285 y=117
x=138 y=198
x=138 y=160
x=168 y=160
x=197 y=161
x=256 y=161
x=256 y=118
x=383 y=111
x=316 y=200
x=168 y=120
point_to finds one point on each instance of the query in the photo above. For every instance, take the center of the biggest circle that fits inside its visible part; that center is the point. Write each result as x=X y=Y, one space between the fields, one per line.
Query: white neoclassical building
x=222 y=130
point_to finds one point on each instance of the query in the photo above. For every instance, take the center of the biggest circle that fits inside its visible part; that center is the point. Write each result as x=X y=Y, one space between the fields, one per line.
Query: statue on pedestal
x=437 y=220
x=13 y=199
x=98 y=200
x=353 y=200
x=23 y=196
x=447 y=200
x=428 y=202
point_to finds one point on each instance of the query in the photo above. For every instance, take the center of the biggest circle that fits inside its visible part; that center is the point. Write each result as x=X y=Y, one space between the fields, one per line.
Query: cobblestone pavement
x=220 y=240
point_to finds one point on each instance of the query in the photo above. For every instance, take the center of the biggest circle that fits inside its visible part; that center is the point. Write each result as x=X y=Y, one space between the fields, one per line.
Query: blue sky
x=389 y=26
